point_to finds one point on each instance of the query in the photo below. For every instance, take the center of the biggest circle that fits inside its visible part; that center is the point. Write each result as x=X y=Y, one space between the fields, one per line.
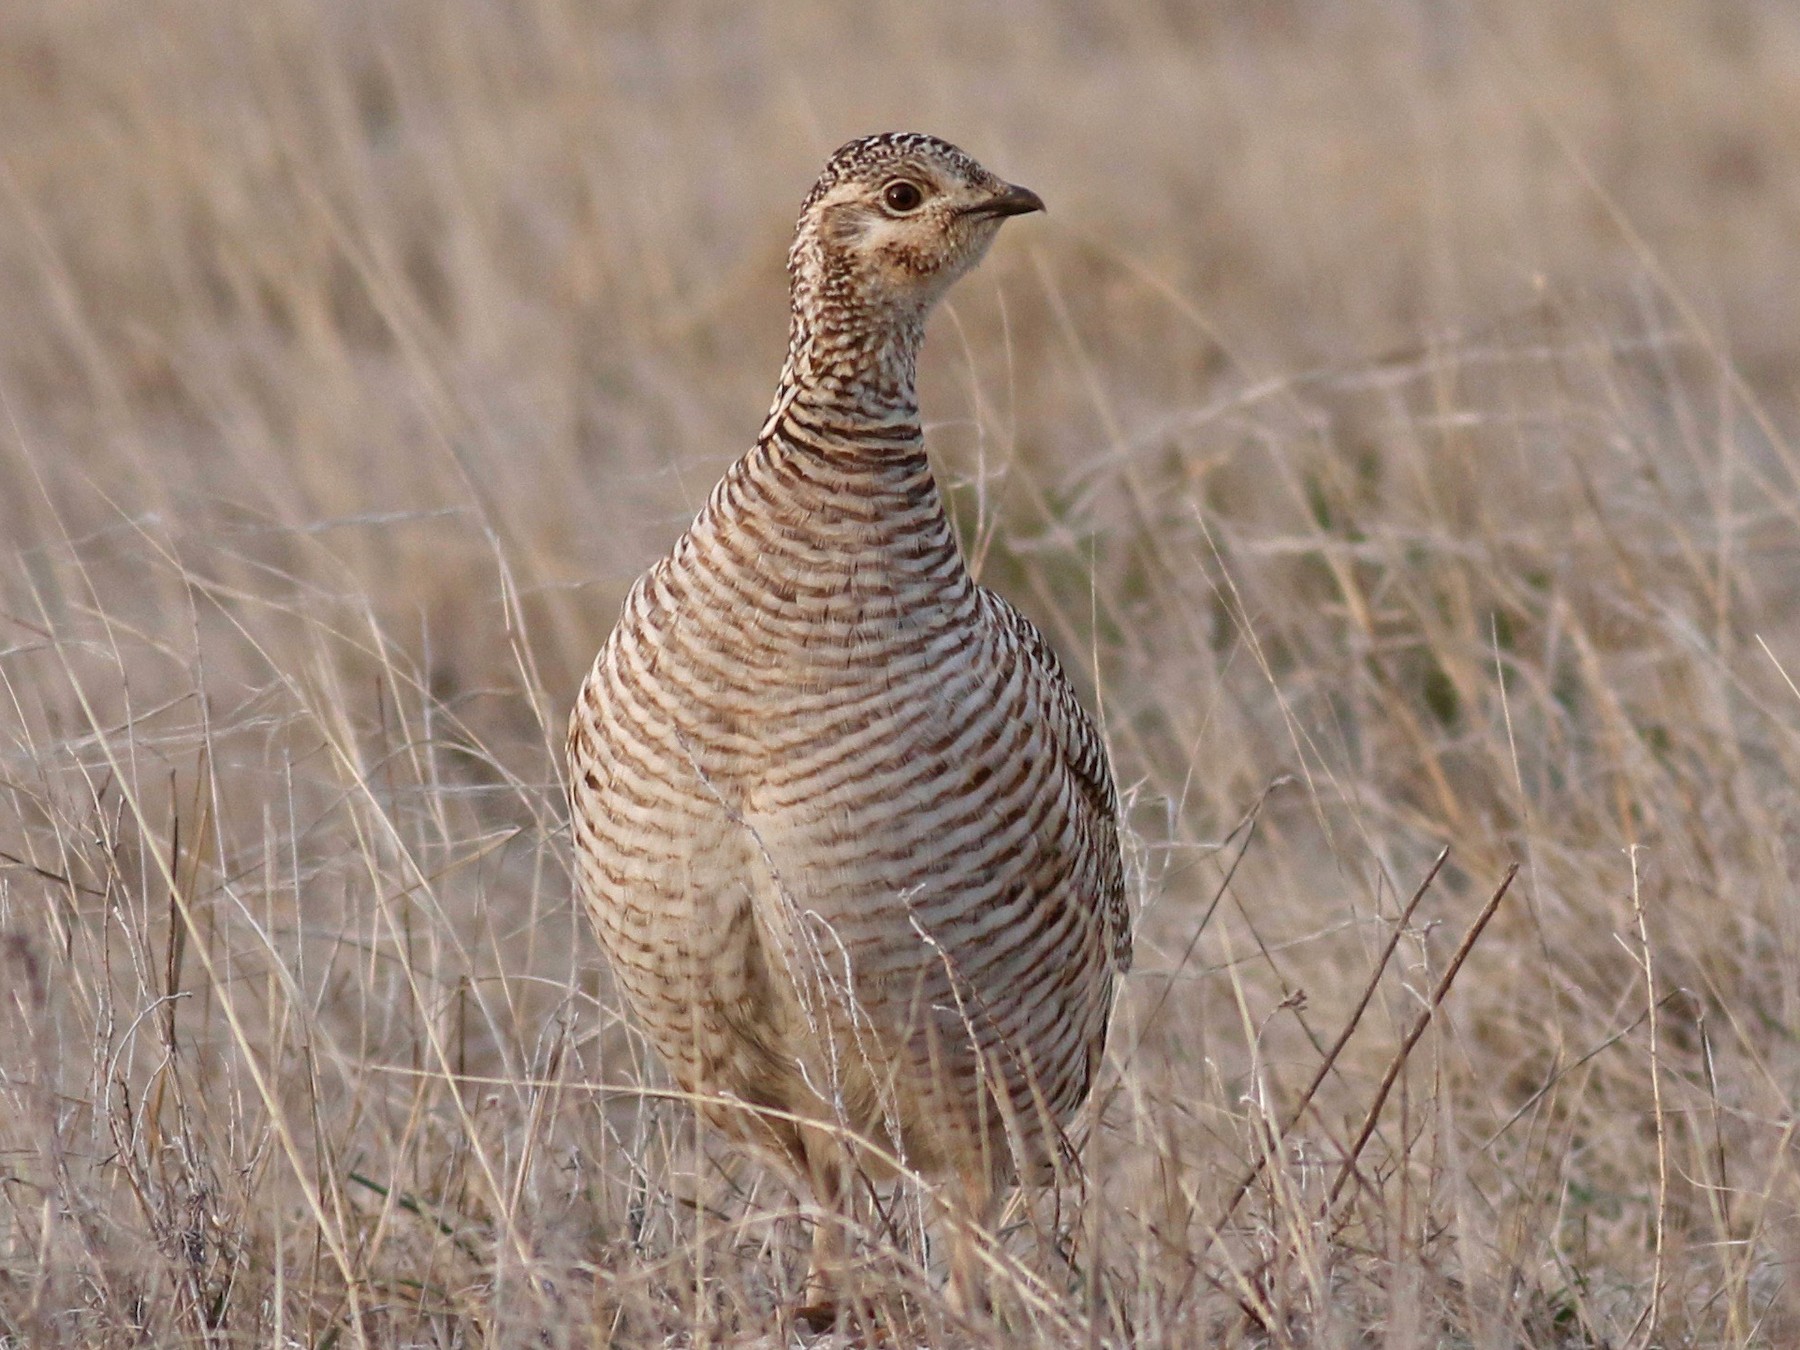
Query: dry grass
x=1393 y=422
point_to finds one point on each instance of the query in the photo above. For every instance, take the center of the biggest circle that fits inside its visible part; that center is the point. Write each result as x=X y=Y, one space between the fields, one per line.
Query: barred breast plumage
x=847 y=836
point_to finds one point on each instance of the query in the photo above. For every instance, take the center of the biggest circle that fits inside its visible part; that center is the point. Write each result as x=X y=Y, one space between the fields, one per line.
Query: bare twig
x=1463 y=949
x=1325 y=1065
x=1247 y=827
x=1652 y=1315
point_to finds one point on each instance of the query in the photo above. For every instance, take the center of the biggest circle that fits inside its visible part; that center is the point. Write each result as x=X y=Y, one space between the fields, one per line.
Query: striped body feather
x=847 y=836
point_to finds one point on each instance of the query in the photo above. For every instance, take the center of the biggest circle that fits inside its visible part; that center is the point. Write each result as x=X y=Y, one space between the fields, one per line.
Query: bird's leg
x=966 y=1218
x=826 y=1262
x=825 y=1267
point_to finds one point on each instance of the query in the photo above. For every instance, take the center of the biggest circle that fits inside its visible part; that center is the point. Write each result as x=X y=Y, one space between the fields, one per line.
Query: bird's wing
x=1084 y=758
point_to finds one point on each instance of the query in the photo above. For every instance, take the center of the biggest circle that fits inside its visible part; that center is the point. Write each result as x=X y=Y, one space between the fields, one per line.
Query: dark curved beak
x=1009 y=201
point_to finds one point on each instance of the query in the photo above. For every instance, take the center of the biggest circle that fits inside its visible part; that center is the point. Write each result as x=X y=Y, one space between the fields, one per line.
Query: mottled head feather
x=866 y=267
x=885 y=151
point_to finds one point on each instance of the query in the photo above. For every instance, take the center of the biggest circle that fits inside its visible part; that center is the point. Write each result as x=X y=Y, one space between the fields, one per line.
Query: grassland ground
x=1392 y=423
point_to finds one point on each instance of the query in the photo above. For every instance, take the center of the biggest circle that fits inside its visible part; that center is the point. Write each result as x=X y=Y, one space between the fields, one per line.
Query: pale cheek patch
x=844 y=226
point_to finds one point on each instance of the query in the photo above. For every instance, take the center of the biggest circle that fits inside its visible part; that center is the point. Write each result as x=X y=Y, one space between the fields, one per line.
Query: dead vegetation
x=1393 y=423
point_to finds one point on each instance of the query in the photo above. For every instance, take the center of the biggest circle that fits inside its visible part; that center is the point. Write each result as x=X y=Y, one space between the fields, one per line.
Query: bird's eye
x=902 y=195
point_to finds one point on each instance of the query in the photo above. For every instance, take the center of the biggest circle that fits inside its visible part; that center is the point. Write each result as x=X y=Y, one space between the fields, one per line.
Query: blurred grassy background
x=1396 y=407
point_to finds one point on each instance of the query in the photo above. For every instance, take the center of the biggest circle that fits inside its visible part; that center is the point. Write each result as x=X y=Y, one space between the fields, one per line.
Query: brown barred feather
x=848 y=837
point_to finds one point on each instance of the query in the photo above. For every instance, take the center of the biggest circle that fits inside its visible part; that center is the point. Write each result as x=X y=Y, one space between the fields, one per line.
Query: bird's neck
x=852 y=368
x=838 y=477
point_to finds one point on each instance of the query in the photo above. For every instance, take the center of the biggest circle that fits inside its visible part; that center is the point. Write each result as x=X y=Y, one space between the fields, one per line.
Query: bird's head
x=893 y=220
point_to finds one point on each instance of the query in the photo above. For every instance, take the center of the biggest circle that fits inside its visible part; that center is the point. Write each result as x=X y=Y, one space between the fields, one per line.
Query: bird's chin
x=980 y=241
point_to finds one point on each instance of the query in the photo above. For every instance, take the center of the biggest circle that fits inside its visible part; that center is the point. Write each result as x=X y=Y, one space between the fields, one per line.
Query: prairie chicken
x=847 y=835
